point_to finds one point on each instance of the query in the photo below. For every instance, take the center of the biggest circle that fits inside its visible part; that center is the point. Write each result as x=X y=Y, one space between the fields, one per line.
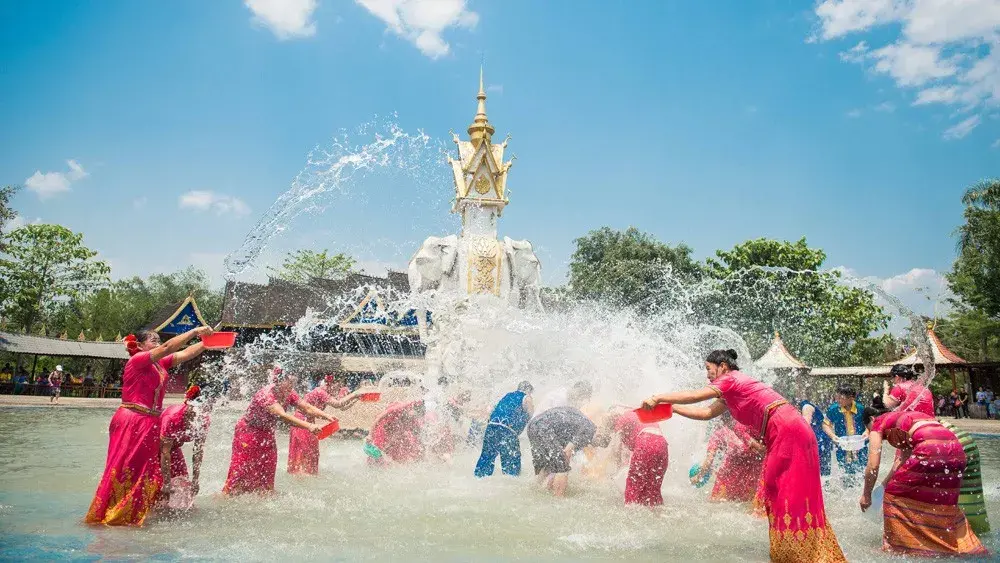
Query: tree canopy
x=975 y=276
x=629 y=267
x=302 y=265
x=43 y=267
x=768 y=286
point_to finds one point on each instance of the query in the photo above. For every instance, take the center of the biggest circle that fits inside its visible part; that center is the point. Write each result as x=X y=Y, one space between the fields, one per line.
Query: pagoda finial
x=481 y=127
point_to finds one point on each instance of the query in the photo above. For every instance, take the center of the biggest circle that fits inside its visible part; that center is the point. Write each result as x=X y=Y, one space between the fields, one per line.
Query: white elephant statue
x=525 y=272
x=433 y=266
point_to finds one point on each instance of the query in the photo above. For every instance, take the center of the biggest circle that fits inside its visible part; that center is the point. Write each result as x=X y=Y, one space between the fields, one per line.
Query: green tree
x=630 y=268
x=43 y=267
x=970 y=333
x=766 y=286
x=129 y=304
x=7 y=212
x=303 y=265
x=975 y=276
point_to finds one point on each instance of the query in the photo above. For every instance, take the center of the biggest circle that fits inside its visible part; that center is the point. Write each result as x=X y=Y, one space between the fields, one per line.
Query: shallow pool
x=52 y=458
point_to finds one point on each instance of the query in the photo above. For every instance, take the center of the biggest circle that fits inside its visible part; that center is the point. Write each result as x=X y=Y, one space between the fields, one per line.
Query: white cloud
x=961 y=129
x=886 y=107
x=947 y=50
x=996 y=144
x=853 y=114
x=287 y=19
x=422 y=21
x=50 y=184
x=922 y=291
x=220 y=204
x=139 y=203
x=14 y=224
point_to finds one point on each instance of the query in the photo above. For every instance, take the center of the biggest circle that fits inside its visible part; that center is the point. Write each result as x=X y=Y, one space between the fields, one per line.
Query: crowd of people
x=775 y=453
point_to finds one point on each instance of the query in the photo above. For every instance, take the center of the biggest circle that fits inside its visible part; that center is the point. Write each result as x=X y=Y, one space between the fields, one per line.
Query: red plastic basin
x=329 y=429
x=370 y=397
x=659 y=413
x=219 y=340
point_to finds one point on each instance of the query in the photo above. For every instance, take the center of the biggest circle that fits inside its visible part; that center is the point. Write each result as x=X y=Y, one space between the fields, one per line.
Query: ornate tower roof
x=480 y=173
x=480 y=128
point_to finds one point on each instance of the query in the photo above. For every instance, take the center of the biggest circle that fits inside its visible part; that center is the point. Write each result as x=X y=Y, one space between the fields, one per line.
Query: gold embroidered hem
x=815 y=545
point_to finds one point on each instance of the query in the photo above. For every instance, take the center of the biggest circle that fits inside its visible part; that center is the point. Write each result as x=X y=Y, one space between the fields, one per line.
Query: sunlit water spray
x=486 y=347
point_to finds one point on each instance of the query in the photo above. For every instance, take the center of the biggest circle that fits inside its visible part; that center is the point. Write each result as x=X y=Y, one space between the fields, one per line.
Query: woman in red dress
x=133 y=475
x=180 y=424
x=255 y=452
x=303 y=445
x=649 y=459
x=737 y=478
x=398 y=433
x=920 y=509
x=793 y=494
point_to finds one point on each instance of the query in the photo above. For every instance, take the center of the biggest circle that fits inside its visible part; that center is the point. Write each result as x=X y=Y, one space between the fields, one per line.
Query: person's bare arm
x=871 y=471
x=280 y=412
x=714 y=409
x=682 y=397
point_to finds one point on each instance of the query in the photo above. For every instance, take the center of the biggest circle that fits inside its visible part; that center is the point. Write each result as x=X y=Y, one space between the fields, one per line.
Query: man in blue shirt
x=507 y=421
x=844 y=418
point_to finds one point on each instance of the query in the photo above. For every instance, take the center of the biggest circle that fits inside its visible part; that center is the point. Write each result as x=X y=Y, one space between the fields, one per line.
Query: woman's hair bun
x=732 y=353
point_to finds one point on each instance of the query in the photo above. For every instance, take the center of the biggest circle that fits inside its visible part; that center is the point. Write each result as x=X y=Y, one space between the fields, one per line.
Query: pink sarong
x=920 y=510
x=793 y=493
x=132 y=479
x=738 y=477
x=649 y=460
x=255 y=453
x=303 y=445
x=397 y=434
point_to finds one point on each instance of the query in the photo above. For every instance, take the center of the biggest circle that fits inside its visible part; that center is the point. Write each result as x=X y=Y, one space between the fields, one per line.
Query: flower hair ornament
x=192 y=393
x=131 y=344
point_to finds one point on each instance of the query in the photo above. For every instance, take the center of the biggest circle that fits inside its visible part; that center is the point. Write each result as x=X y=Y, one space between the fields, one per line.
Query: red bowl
x=329 y=429
x=659 y=413
x=219 y=340
x=370 y=397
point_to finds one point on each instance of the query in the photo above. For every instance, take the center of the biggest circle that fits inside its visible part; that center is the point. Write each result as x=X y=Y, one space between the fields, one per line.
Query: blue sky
x=163 y=131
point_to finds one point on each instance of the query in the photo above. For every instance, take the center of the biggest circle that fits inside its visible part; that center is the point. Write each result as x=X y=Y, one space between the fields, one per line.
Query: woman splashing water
x=921 y=513
x=180 y=424
x=793 y=495
x=133 y=475
x=303 y=445
x=255 y=452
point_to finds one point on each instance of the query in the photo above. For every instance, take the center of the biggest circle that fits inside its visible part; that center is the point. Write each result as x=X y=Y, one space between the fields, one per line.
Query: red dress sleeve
x=898 y=393
x=293 y=398
x=167 y=362
x=723 y=385
x=141 y=360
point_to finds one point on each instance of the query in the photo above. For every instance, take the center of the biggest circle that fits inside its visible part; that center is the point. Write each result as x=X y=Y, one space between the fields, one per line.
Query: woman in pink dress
x=907 y=393
x=255 y=452
x=921 y=514
x=793 y=494
x=133 y=475
x=737 y=478
x=648 y=462
x=180 y=424
x=398 y=433
x=303 y=445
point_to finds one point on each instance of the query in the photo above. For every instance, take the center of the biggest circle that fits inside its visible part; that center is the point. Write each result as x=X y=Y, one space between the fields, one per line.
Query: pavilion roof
x=45 y=346
x=778 y=357
x=941 y=354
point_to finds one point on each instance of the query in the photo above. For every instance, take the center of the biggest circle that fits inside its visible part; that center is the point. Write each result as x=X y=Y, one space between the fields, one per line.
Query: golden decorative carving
x=482 y=185
x=485 y=257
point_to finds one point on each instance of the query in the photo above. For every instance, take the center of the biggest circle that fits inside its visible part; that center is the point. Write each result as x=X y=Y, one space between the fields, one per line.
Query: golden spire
x=480 y=128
